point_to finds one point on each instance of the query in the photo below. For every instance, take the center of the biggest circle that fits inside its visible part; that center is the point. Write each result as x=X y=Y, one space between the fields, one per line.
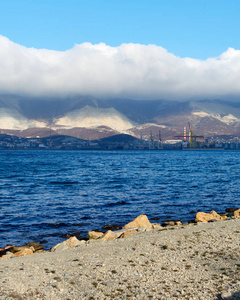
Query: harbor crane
x=191 y=136
x=152 y=142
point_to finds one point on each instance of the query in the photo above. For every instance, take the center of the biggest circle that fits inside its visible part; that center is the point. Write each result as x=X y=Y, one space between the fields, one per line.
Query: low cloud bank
x=130 y=71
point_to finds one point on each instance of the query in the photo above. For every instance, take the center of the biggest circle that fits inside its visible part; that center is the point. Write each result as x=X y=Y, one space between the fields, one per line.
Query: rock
x=230 y=209
x=77 y=234
x=17 y=249
x=155 y=218
x=178 y=223
x=24 y=252
x=142 y=229
x=140 y=221
x=168 y=223
x=118 y=233
x=73 y=241
x=40 y=251
x=43 y=241
x=237 y=213
x=191 y=221
x=128 y=233
x=227 y=295
x=3 y=251
x=94 y=235
x=8 y=254
x=111 y=227
x=109 y=235
x=6 y=248
x=205 y=217
x=171 y=223
x=82 y=242
x=36 y=246
x=230 y=212
x=60 y=247
x=156 y=225
x=215 y=215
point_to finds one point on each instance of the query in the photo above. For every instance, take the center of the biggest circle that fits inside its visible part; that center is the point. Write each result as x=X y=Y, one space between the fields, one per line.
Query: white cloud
x=130 y=70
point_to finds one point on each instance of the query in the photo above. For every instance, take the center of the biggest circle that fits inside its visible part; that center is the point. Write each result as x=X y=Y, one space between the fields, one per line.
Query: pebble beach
x=196 y=261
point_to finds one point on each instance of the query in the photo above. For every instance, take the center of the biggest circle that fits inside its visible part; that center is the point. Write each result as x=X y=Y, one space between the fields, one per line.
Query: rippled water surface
x=46 y=194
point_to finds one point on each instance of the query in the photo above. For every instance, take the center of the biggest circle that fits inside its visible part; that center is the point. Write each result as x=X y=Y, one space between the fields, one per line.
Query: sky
x=130 y=48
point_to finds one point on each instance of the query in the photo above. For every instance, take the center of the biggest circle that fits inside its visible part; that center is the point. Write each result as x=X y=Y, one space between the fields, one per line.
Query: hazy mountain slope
x=217 y=108
x=144 y=131
x=12 y=119
x=45 y=108
x=92 y=118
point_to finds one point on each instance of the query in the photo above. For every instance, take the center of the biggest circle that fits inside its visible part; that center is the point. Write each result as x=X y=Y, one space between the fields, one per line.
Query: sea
x=49 y=195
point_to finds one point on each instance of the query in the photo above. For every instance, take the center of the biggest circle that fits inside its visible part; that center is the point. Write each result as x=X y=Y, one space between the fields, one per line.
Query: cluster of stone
x=139 y=224
x=213 y=216
x=14 y=251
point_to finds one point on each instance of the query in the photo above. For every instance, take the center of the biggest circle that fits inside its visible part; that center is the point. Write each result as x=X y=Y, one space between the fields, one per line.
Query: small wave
x=11 y=176
x=86 y=217
x=174 y=204
x=115 y=203
x=56 y=225
x=114 y=181
x=116 y=186
x=63 y=182
x=209 y=196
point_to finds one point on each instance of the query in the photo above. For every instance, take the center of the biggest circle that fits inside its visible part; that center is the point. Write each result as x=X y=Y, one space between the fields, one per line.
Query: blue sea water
x=47 y=194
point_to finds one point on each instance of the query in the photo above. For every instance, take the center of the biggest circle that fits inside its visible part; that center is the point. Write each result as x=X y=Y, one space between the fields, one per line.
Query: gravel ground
x=185 y=262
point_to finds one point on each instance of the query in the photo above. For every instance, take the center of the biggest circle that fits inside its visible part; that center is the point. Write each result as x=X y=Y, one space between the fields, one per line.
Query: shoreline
x=197 y=261
x=106 y=227
x=229 y=213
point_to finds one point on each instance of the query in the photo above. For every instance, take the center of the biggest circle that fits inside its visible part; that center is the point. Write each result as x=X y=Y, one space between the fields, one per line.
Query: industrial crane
x=192 y=137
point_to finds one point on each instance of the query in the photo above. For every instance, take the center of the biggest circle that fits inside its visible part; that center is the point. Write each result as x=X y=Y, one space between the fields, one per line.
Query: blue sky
x=187 y=28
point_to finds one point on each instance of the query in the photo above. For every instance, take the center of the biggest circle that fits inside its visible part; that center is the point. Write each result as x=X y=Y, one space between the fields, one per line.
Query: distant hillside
x=121 y=138
x=91 y=118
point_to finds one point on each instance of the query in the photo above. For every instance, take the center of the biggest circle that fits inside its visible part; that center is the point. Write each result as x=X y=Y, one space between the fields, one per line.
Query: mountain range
x=91 y=118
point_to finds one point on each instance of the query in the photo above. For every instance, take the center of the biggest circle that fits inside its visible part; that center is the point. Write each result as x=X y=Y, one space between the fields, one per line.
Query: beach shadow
x=234 y=296
x=225 y=262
